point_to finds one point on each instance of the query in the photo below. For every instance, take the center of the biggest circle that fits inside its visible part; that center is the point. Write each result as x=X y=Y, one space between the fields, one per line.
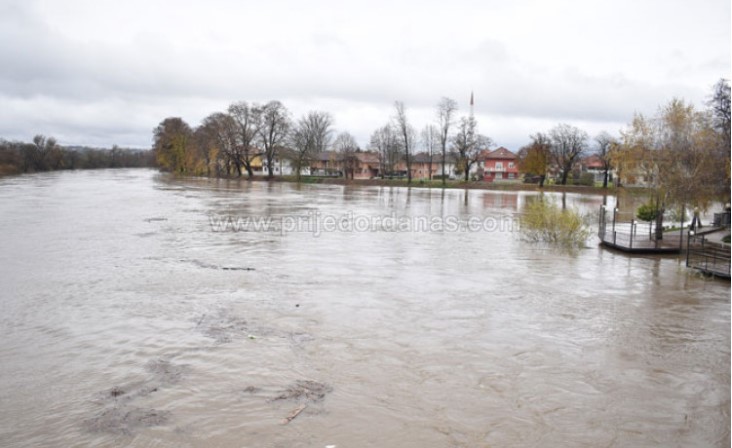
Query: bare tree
x=273 y=131
x=720 y=105
x=605 y=143
x=311 y=136
x=247 y=124
x=346 y=146
x=568 y=144
x=205 y=146
x=720 y=111
x=406 y=134
x=468 y=144
x=42 y=153
x=430 y=143
x=446 y=109
x=223 y=130
x=384 y=141
x=483 y=144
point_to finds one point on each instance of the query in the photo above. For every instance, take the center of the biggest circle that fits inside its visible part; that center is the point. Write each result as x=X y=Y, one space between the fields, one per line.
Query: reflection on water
x=127 y=321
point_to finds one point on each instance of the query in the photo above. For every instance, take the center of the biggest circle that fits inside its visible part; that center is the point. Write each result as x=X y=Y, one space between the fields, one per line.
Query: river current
x=137 y=309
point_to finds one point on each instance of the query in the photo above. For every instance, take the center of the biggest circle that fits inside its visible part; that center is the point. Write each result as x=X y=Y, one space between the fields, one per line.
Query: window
x=499 y=166
x=510 y=164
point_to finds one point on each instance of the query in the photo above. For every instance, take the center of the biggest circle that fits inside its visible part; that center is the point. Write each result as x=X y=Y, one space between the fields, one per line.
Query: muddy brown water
x=126 y=320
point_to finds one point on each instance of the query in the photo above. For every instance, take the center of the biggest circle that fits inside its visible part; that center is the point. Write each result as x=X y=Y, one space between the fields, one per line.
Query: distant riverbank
x=452 y=184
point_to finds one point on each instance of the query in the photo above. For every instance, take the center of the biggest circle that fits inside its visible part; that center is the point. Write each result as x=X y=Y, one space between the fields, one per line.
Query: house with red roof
x=595 y=165
x=500 y=165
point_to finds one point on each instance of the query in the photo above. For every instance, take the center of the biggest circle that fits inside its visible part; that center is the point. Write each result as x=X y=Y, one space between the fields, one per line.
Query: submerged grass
x=543 y=220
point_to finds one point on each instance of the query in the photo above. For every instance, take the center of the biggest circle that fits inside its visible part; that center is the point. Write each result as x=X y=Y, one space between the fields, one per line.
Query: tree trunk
x=565 y=174
x=541 y=181
x=409 y=170
x=270 y=169
x=444 y=181
x=659 y=225
x=604 y=180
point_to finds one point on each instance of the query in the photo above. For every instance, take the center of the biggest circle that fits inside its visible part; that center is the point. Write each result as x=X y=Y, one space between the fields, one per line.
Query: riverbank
x=450 y=184
x=453 y=184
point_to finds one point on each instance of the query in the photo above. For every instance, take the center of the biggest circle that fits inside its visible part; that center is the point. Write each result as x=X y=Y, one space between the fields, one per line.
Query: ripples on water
x=127 y=321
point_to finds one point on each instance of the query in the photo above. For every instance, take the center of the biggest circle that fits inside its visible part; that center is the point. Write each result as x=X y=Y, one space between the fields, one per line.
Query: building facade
x=500 y=165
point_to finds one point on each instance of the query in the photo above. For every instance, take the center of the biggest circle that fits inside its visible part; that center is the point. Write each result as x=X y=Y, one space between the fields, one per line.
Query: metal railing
x=707 y=256
x=631 y=234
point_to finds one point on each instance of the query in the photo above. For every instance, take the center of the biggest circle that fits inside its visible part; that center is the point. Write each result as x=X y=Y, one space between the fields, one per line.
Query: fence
x=622 y=231
x=707 y=256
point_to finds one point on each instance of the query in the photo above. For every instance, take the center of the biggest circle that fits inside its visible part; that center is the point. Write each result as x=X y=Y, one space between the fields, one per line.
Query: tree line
x=677 y=146
x=228 y=143
x=682 y=153
x=45 y=154
x=555 y=152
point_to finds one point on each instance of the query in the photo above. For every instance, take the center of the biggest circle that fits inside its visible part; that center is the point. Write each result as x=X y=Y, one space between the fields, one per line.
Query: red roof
x=367 y=157
x=501 y=153
x=593 y=161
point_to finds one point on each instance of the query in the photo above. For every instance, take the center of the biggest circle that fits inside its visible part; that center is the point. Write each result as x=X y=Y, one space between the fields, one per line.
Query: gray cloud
x=107 y=72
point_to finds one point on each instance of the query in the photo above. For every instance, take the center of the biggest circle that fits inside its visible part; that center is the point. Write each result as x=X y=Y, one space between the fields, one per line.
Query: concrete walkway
x=714 y=234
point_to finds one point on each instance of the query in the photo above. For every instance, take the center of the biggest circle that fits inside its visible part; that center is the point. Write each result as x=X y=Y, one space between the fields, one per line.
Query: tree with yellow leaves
x=172 y=145
x=676 y=155
x=534 y=157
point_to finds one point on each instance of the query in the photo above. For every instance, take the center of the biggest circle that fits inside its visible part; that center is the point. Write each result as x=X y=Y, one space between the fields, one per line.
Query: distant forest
x=45 y=154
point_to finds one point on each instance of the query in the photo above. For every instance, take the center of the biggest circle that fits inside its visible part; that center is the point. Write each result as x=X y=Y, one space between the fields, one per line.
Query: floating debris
x=305 y=390
x=166 y=372
x=118 y=417
x=124 y=420
x=295 y=412
x=204 y=265
x=116 y=392
x=223 y=327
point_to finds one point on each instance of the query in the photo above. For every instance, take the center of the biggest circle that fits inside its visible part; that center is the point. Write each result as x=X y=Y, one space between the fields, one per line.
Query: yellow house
x=257 y=164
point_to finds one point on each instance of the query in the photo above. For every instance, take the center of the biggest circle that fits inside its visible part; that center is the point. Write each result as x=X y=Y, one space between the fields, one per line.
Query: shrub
x=587 y=179
x=647 y=212
x=543 y=220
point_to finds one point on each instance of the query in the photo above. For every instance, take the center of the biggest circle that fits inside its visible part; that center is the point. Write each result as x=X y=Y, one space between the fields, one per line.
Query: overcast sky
x=107 y=72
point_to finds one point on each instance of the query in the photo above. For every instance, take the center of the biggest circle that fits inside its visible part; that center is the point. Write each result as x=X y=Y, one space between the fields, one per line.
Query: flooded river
x=139 y=310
